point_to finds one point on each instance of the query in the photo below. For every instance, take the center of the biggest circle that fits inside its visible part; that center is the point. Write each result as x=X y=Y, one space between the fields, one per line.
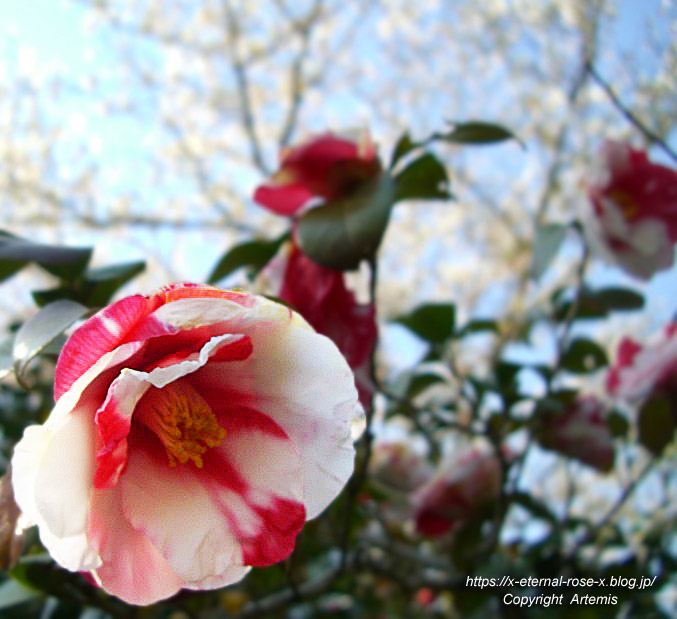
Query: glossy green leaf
x=548 y=240
x=342 y=233
x=404 y=145
x=424 y=178
x=584 y=356
x=618 y=424
x=656 y=424
x=593 y=304
x=95 y=288
x=478 y=132
x=64 y=262
x=433 y=322
x=42 y=328
x=252 y=254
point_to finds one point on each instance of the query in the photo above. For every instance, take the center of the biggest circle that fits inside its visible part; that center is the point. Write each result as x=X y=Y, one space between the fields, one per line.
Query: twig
x=629 y=115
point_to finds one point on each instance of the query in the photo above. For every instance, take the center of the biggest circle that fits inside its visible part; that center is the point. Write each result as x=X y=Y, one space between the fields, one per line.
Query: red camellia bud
x=581 y=432
x=325 y=167
x=635 y=210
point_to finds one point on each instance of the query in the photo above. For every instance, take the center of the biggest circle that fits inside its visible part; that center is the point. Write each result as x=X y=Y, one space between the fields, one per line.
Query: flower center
x=625 y=202
x=183 y=421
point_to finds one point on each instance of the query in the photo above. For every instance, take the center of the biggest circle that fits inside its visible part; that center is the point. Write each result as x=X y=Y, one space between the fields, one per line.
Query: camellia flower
x=320 y=295
x=635 y=210
x=581 y=432
x=462 y=488
x=396 y=465
x=326 y=166
x=194 y=432
x=646 y=376
x=642 y=370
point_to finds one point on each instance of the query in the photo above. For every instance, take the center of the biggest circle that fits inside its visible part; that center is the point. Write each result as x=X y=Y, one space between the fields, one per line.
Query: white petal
x=52 y=475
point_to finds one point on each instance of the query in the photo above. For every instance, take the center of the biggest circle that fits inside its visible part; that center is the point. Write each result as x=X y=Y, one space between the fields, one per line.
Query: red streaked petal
x=102 y=333
x=133 y=569
x=205 y=546
x=263 y=499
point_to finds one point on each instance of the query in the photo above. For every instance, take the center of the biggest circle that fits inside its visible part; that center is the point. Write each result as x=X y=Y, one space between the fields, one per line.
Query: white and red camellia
x=641 y=371
x=326 y=166
x=635 y=210
x=321 y=296
x=581 y=432
x=465 y=484
x=195 y=431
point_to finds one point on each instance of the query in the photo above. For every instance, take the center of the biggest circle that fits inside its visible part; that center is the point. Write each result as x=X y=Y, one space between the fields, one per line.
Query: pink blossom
x=326 y=166
x=581 y=432
x=321 y=296
x=194 y=432
x=463 y=487
x=635 y=210
x=396 y=465
x=640 y=370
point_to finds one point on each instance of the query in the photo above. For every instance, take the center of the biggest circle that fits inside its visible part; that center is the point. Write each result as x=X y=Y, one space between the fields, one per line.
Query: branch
x=242 y=81
x=636 y=122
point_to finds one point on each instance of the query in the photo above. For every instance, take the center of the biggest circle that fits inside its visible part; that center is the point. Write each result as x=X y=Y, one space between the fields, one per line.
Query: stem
x=629 y=115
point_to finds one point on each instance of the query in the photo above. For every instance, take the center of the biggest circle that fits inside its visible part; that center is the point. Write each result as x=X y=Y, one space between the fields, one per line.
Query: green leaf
x=478 y=326
x=621 y=299
x=548 y=240
x=343 y=232
x=420 y=382
x=6 y=358
x=506 y=373
x=433 y=322
x=13 y=593
x=40 y=573
x=95 y=288
x=477 y=132
x=536 y=507
x=593 y=304
x=404 y=145
x=253 y=254
x=64 y=262
x=618 y=424
x=424 y=178
x=656 y=424
x=39 y=330
x=584 y=356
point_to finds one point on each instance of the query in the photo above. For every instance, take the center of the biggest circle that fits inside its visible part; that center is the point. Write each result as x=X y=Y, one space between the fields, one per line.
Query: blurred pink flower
x=640 y=371
x=325 y=166
x=396 y=465
x=194 y=433
x=461 y=489
x=635 y=210
x=581 y=432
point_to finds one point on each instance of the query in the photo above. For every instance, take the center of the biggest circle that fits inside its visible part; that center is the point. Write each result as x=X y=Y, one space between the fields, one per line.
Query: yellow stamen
x=629 y=206
x=183 y=421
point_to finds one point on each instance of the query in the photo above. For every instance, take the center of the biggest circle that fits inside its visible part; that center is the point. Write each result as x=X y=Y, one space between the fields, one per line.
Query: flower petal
x=173 y=508
x=101 y=334
x=258 y=483
x=133 y=569
x=58 y=503
x=301 y=380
